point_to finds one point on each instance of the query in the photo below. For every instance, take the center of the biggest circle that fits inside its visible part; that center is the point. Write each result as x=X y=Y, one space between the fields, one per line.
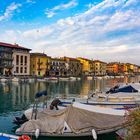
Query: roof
x=84 y=59
x=99 y=61
x=14 y=46
x=38 y=54
x=70 y=58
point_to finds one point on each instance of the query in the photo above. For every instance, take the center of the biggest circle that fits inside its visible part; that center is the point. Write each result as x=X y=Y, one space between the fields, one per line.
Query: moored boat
x=76 y=120
x=4 y=136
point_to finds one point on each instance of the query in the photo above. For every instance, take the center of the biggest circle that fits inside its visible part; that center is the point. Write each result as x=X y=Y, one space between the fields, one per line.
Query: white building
x=21 y=61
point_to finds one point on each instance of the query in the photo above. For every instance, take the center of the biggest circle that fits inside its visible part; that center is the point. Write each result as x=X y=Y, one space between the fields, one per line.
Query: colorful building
x=98 y=68
x=6 y=59
x=113 y=68
x=74 y=66
x=39 y=64
x=86 y=65
x=15 y=59
x=58 y=67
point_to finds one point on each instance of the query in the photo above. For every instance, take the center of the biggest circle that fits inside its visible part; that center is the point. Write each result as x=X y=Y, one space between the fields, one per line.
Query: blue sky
x=108 y=30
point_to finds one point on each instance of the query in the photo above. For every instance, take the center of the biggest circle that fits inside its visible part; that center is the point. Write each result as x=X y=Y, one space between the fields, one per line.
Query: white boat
x=75 y=121
x=78 y=78
x=99 y=77
x=53 y=79
x=41 y=80
x=15 y=79
x=89 y=77
x=3 y=80
x=4 y=136
x=72 y=78
x=63 y=78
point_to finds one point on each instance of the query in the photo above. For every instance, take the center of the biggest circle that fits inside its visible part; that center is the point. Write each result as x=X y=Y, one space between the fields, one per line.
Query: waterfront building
x=58 y=67
x=6 y=59
x=73 y=66
x=21 y=60
x=124 y=68
x=113 y=68
x=86 y=65
x=15 y=59
x=138 y=69
x=132 y=68
x=99 y=68
x=39 y=64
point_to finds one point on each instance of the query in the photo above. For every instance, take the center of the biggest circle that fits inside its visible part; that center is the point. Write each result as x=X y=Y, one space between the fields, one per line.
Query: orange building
x=112 y=68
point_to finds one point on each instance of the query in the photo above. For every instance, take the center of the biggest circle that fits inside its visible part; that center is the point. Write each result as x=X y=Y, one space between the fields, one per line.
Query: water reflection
x=15 y=97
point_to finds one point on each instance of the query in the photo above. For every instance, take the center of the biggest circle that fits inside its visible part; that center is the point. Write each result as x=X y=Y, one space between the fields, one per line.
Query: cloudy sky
x=108 y=30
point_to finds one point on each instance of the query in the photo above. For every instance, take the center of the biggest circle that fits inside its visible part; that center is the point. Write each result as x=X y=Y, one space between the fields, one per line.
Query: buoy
x=94 y=134
x=37 y=133
x=24 y=137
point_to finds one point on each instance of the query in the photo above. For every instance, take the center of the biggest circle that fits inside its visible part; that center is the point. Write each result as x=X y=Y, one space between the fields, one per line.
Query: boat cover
x=79 y=121
x=124 y=89
x=42 y=93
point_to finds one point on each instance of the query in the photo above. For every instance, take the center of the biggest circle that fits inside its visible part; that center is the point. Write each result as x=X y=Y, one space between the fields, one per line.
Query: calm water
x=14 y=98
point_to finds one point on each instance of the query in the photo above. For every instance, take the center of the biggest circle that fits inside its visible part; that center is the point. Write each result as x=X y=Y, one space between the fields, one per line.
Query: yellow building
x=99 y=68
x=39 y=64
x=86 y=65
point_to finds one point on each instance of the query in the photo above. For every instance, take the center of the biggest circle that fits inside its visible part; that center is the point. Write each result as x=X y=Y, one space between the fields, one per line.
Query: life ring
x=24 y=137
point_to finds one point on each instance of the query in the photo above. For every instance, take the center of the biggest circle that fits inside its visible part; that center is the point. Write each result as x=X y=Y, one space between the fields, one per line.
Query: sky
x=107 y=30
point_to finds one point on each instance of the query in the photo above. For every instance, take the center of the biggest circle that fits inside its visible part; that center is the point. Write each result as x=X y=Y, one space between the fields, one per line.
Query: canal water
x=16 y=97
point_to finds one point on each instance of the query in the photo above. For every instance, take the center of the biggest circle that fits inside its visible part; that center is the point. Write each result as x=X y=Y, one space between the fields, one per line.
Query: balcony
x=6 y=66
x=6 y=58
x=39 y=63
x=6 y=51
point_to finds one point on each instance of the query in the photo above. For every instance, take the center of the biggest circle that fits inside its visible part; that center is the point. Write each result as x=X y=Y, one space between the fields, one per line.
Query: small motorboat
x=4 y=136
x=75 y=121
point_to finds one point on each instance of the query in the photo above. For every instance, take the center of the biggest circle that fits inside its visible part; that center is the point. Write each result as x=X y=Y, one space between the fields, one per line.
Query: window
x=25 y=70
x=25 y=60
x=17 y=69
x=21 y=60
x=21 y=70
x=17 y=60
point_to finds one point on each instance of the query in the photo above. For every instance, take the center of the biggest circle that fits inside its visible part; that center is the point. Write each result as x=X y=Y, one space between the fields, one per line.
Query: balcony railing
x=6 y=66
x=6 y=58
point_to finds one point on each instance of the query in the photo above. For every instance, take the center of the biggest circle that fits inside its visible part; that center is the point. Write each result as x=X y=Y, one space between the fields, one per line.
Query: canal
x=16 y=97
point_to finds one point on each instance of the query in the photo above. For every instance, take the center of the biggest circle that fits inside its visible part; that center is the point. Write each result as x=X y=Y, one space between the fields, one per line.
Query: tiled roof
x=15 y=46
x=38 y=54
x=99 y=61
x=84 y=58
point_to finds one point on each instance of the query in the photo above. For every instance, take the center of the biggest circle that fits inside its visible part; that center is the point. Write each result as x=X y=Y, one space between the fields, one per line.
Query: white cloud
x=92 y=34
x=131 y=2
x=51 y=12
x=31 y=1
x=10 y=11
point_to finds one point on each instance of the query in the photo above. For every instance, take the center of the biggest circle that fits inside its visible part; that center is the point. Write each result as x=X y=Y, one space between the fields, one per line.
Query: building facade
x=86 y=65
x=6 y=59
x=39 y=64
x=16 y=59
x=113 y=68
x=98 y=68
x=73 y=66
x=58 y=67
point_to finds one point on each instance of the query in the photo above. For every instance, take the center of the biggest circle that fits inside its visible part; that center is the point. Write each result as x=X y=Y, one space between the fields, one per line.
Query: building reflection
x=17 y=96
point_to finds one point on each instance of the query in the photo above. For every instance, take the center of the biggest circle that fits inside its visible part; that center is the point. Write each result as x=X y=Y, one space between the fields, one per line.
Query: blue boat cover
x=4 y=138
x=42 y=93
x=124 y=89
x=128 y=88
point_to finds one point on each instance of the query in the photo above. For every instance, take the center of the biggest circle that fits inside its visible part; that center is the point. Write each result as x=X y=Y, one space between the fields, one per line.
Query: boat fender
x=24 y=137
x=94 y=134
x=37 y=131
